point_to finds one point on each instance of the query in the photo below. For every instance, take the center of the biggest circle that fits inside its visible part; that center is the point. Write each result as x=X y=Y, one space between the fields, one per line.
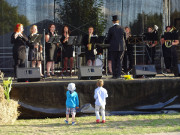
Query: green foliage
x=7 y=85
x=83 y=13
x=9 y=17
x=149 y=20
x=173 y=16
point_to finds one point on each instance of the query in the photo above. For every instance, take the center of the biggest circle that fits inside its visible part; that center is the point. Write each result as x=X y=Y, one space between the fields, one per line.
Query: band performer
x=169 y=49
x=67 y=49
x=35 y=49
x=89 y=47
x=19 y=49
x=128 y=54
x=50 y=50
x=117 y=46
x=151 y=43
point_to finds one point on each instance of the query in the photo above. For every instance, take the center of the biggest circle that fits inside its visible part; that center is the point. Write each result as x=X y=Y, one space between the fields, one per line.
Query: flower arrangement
x=128 y=77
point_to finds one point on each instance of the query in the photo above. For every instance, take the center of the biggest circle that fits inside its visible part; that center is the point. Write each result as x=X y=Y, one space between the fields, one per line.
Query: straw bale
x=8 y=111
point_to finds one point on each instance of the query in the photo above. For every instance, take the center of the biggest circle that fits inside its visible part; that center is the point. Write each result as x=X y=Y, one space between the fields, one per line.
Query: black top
x=19 y=48
x=85 y=42
x=116 y=38
x=19 y=41
x=67 y=49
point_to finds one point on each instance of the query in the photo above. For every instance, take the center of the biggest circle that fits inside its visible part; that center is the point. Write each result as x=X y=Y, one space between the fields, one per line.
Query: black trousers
x=117 y=57
x=170 y=57
x=128 y=55
x=150 y=55
x=18 y=63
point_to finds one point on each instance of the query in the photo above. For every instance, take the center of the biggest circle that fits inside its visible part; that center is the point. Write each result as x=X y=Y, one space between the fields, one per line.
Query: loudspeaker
x=28 y=74
x=144 y=70
x=89 y=72
x=176 y=70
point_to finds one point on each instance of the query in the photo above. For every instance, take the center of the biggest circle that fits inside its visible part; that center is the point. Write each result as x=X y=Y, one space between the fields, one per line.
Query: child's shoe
x=73 y=123
x=103 y=121
x=66 y=121
x=97 y=121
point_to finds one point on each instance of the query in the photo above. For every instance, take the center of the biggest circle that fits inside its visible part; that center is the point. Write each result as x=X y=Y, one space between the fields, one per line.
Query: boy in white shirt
x=100 y=96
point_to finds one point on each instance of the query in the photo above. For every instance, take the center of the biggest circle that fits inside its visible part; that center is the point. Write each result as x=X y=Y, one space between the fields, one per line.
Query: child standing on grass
x=100 y=96
x=72 y=102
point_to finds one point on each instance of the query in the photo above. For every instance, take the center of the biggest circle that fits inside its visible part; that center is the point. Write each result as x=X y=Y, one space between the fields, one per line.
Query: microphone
x=55 y=33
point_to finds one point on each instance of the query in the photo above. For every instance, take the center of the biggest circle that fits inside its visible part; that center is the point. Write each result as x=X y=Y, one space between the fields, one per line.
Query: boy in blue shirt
x=72 y=102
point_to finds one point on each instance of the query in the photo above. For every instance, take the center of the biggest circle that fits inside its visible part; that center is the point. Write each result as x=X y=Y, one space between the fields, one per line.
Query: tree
x=80 y=14
x=9 y=17
x=148 y=20
x=175 y=15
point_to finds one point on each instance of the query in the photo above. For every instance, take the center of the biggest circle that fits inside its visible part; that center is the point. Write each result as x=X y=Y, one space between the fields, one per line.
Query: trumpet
x=168 y=43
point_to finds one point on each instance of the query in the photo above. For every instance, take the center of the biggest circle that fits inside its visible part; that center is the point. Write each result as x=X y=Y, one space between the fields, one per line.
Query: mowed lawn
x=115 y=125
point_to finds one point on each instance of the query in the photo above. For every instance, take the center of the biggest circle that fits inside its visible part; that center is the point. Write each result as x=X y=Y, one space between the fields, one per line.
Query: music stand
x=78 y=45
x=149 y=37
x=72 y=40
x=94 y=39
x=105 y=46
x=36 y=38
x=135 y=40
x=54 y=39
x=170 y=36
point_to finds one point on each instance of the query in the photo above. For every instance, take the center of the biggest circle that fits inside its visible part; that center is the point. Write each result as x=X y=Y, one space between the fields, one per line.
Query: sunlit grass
x=131 y=124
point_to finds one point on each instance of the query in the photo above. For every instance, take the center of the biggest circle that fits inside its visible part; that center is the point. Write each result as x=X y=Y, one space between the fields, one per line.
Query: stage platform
x=46 y=98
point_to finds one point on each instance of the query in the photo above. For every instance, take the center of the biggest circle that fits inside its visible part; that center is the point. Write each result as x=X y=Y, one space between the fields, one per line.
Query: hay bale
x=1 y=94
x=8 y=111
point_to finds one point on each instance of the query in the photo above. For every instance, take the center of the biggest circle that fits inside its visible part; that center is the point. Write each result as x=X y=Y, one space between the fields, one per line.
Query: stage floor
x=58 y=78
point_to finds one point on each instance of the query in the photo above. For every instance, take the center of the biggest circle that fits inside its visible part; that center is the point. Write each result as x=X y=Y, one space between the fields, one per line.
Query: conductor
x=117 y=46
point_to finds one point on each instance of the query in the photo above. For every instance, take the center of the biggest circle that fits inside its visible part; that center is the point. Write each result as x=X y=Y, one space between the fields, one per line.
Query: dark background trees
x=9 y=17
x=80 y=14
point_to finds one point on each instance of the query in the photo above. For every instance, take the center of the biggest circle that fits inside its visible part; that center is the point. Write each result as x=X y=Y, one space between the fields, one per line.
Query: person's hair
x=150 y=27
x=63 y=29
x=50 y=26
x=91 y=27
x=128 y=28
x=32 y=28
x=17 y=28
x=116 y=21
x=100 y=83
x=168 y=27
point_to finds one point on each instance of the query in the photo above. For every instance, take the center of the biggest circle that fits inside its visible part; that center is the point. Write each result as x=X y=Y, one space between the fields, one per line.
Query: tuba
x=168 y=43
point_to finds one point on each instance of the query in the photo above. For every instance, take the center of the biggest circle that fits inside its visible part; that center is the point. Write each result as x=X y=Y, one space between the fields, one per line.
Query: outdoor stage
x=47 y=97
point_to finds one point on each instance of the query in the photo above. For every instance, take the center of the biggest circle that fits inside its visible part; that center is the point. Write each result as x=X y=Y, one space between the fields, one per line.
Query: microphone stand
x=44 y=53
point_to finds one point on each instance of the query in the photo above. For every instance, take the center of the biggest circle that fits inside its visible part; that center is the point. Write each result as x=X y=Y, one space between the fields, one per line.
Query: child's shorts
x=71 y=111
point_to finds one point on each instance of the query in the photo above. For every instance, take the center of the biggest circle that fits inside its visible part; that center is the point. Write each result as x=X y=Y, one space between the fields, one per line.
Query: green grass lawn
x=131 y=124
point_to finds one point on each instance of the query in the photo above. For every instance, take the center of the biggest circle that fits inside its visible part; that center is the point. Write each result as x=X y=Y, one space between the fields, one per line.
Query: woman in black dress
x=50 y=50
x=67 y=49
x=19 y=49
x=35 y=50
